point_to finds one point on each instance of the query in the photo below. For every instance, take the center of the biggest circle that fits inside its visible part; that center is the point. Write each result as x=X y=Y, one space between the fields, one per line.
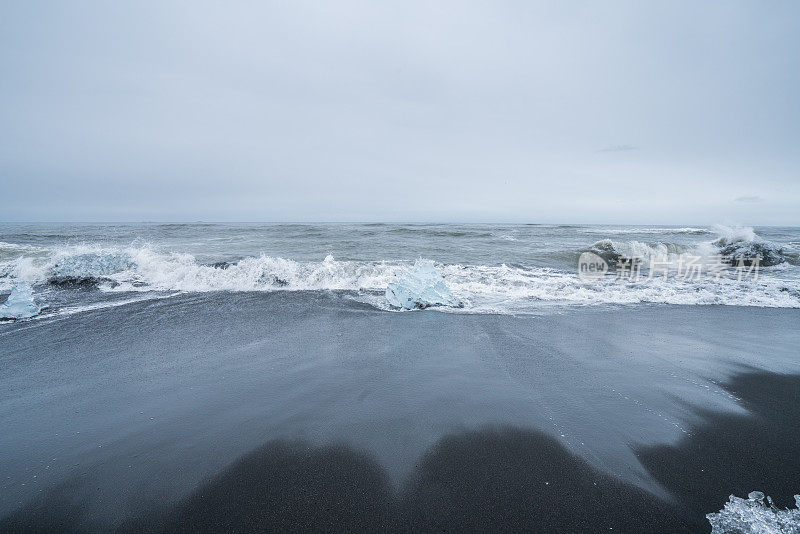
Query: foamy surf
x=640 y=230
x=510 y=287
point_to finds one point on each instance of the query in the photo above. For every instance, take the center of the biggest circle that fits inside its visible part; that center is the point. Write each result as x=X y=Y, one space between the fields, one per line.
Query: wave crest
x=613 y=251
x=742 y=244
x=503 y=288
x=734 y=234
x=732 y=246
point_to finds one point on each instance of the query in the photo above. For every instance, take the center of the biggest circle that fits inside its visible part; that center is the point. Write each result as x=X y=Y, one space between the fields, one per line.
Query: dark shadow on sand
x=515 y=480
x=735 y=454
x=503 y=479
x=287 y=487
x=495 y=479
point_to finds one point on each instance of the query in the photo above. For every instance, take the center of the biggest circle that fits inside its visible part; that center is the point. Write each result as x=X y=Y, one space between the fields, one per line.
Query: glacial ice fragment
x=755 y=515
x=20 y=303
x=89 y=269
x=420 y=287
x=746 y=251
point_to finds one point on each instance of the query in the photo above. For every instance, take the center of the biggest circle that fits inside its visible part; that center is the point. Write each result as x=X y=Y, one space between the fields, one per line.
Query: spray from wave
x=732 y=246
x=742 y=244
x=147 y=268
x=614 y=251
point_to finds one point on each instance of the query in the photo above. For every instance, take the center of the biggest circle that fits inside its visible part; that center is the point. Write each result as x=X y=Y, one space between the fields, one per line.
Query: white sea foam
x=16 y=247
x=512 y=289
x=480 y=288
x=72 y=310
x=618 y=231
x=734 y=234
x=755 y=515
x=660 y=252
x=181 y=272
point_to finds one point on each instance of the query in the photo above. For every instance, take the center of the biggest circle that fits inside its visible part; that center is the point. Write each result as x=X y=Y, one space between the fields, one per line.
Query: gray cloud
x=398 y=110
x=748 y=200
x=619 y=148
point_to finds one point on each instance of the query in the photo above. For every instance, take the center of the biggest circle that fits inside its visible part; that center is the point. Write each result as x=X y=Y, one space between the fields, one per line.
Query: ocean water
x=489 y=268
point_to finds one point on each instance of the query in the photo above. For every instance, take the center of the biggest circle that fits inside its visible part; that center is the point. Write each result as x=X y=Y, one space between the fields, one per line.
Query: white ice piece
x=420 y=287
x=755 y=515
x=20 y=303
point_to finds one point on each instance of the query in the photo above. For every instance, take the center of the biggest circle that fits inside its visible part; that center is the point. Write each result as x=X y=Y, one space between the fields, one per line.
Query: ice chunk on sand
x=755 y=516
x=20 y=303
x=769 y=254
x=420 y=287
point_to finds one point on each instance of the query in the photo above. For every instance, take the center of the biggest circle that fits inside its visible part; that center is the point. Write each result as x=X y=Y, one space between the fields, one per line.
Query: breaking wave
x=741 y=244
x=734 y=234
x=732 y=245
x=504 y=288
x=613 y=251
x=146 y=268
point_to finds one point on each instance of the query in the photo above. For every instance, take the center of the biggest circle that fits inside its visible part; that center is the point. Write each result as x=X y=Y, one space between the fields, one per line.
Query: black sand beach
x=298 y=411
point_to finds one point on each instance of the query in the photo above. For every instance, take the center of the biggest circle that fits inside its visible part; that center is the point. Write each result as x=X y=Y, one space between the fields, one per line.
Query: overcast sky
x=620 y=112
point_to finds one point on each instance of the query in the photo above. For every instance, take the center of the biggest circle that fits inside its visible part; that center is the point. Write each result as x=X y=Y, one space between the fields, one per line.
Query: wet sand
x=312 y=411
